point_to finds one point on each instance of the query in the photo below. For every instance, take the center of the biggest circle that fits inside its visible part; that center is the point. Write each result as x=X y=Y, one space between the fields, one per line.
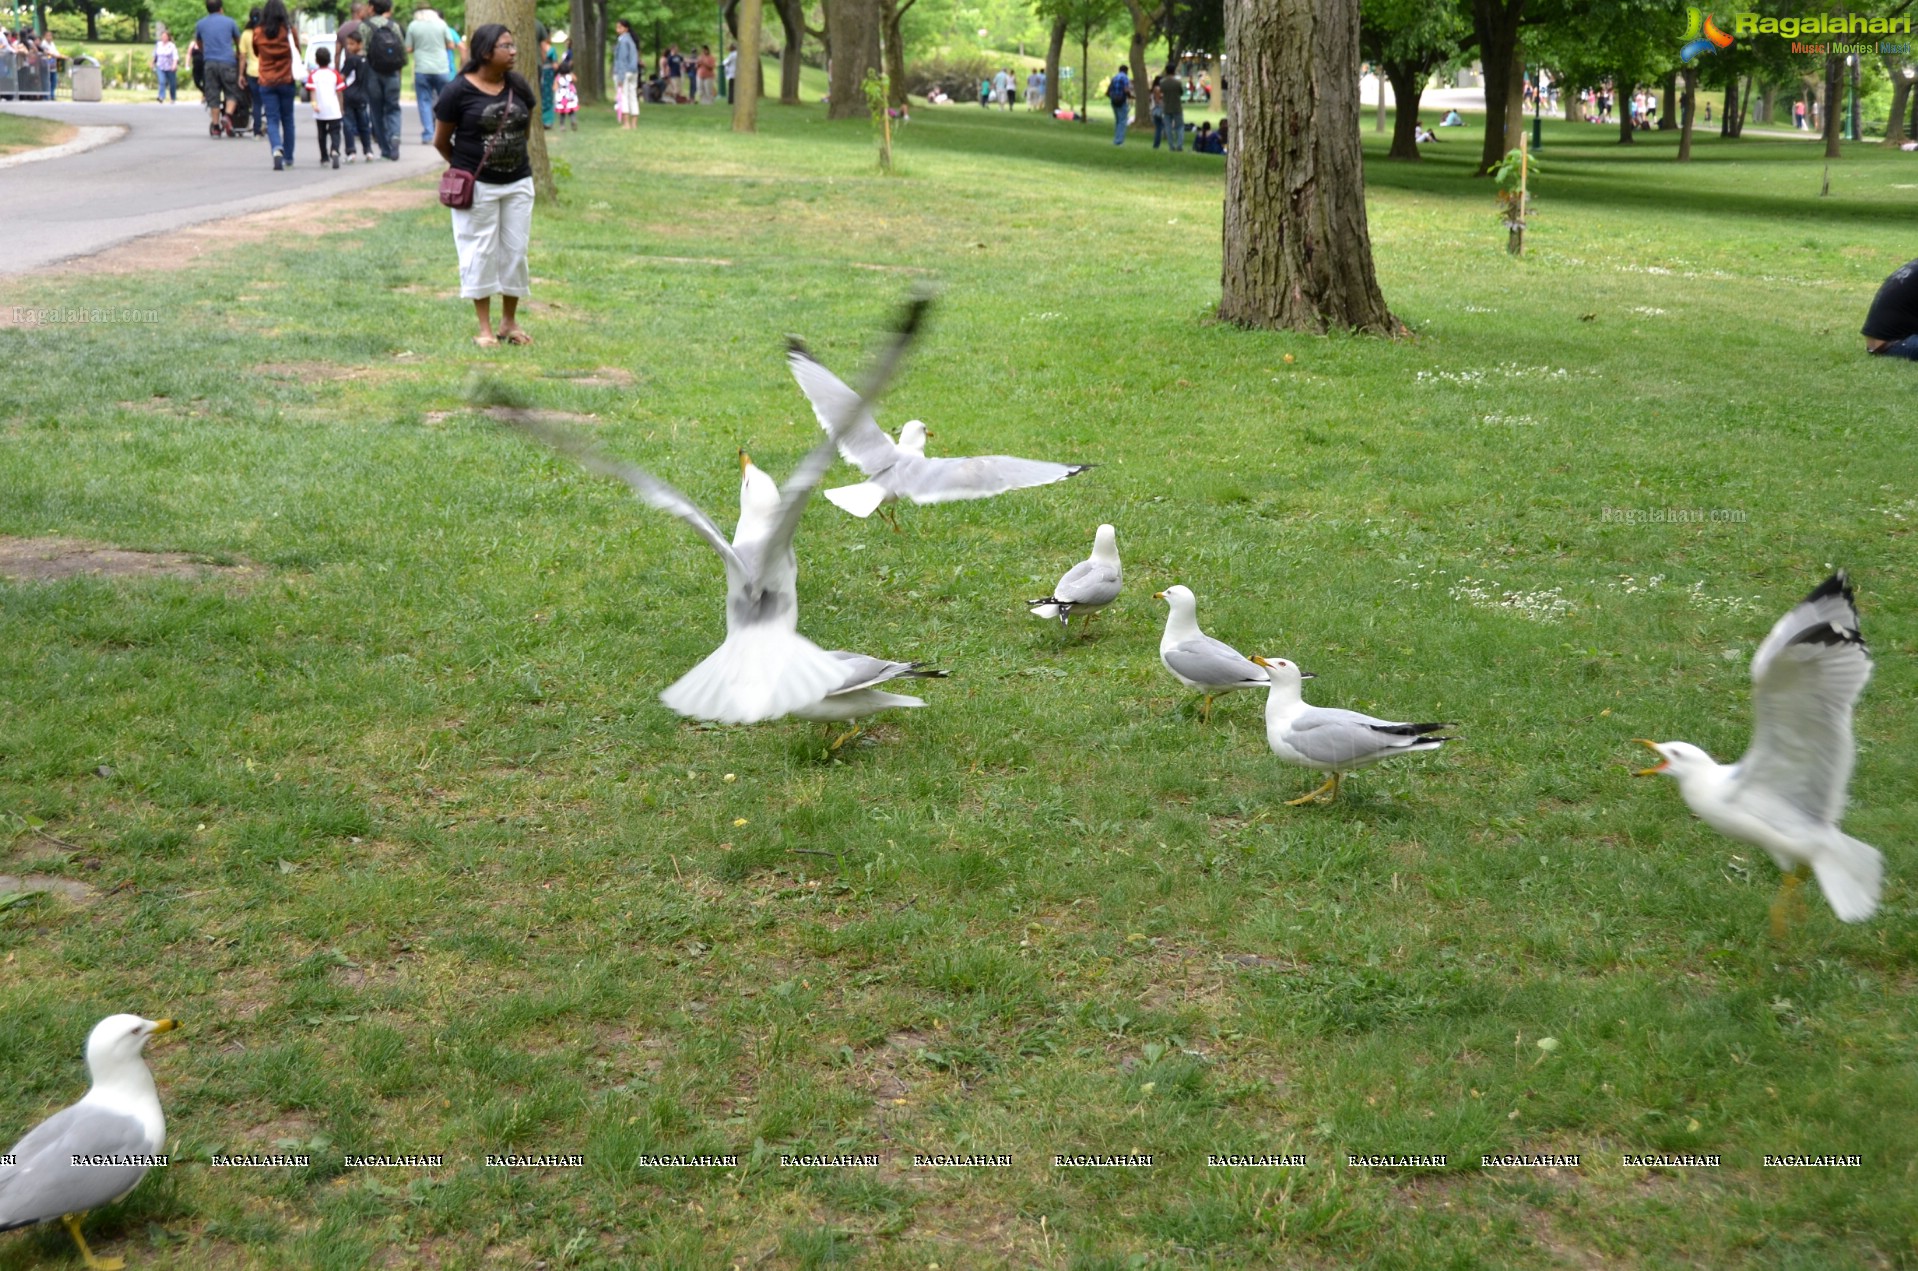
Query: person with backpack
x=385 y=47
x=431 y=43
x=1119 y=93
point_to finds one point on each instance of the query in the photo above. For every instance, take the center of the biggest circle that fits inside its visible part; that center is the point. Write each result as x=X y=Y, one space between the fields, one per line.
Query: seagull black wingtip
x=1839 y=584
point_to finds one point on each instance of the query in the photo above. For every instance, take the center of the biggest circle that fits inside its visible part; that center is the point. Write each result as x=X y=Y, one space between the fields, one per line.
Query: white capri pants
x=628 y=103
x=492 y=238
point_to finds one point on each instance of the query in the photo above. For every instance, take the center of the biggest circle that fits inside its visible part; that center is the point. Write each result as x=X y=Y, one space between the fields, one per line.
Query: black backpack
x=385 y=49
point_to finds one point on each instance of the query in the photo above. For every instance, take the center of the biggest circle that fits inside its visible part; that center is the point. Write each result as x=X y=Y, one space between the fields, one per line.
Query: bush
x=959 y=76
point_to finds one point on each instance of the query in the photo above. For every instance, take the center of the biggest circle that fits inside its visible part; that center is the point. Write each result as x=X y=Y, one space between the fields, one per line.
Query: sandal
x=515 y=335
x=486 y=340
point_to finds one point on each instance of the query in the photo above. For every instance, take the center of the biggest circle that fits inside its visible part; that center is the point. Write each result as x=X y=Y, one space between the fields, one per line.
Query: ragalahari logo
x=1702 y=36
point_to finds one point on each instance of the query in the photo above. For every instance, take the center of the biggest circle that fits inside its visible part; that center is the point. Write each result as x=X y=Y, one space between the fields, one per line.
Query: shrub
x=959 y=76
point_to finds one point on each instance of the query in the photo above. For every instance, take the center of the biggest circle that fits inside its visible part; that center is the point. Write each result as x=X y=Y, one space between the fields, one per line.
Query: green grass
x=21 y=132
x=400 y=829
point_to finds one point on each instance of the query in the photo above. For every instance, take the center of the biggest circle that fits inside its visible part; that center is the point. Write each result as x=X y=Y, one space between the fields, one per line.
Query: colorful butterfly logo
x=1702 y=36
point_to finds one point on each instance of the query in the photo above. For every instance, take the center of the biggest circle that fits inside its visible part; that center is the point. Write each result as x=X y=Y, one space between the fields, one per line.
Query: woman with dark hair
x=279 y=54
x=484 y=118
x=626 y=76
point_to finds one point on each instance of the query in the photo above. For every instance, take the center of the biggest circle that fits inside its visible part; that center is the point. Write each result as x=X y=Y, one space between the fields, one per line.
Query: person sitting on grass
x=1451 y=120
x=1207 y=141
x=1891 y=326
x=1421 y=134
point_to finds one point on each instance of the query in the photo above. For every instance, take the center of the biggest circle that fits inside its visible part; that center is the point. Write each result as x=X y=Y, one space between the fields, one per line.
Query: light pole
x=1851 y=60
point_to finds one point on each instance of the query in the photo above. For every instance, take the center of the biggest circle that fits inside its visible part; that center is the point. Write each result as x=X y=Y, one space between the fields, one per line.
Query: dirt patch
x=602 y=377
x=507 y=415
x=311 y=372
x=79 y=893
x=44 y=559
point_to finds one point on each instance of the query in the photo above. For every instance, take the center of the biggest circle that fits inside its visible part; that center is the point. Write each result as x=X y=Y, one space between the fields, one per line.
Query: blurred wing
x=864 y=672
x=1805 y=677
x=865 y=445
x=648 y=488
x=47 y=1184
x=950 y=480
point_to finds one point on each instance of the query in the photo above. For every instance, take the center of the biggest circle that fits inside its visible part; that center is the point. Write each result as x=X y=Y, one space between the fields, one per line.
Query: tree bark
x=1900 y=97
x=1622 y=87
x=1766 y=97
x=1496 y=23
x=893 y=50
x=588 y=36
x=1408 y=85
x=1688 y=107
x=1378 y=115
x=1297 y=252
x=747 y=71
x=1574 y=106
x=517 y=16
x=1055 y=49
x=793 y=23
x=1135 y=60
x=852 y=29
x=1668 y=109
x=1834 y=94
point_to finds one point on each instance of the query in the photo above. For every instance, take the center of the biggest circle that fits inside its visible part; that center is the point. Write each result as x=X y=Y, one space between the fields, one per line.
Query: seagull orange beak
x=1663 y=763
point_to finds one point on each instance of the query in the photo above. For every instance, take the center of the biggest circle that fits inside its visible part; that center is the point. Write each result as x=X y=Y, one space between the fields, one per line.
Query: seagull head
x=913 y=437
x=1284 y=674
x=1105 y=545
x=1180 y=600
x=115 y=1044
x=1679 y=759
x=758 y=493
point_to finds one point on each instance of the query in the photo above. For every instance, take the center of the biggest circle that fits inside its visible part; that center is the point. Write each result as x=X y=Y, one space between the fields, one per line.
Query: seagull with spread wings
x=1787 y=794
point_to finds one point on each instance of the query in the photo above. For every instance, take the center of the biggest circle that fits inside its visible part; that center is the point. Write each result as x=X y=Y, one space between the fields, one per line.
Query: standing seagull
x=902 y=470
x=859 y=693
x=1090 y=585
x=1788 y=792
x=1198 y=661
x=764 y=669
x=119 y=1121
x=1329 y=739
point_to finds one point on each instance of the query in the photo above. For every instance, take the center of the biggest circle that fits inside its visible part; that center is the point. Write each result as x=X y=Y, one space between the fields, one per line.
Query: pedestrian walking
x=166 y=65
x=280 y=70
x=1119 y=93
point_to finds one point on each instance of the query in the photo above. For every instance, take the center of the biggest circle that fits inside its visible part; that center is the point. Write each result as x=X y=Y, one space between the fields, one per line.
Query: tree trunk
x=93 y=25
x=1668 y=109
x=1378 y=115
x=1298 y=255
x=1574 y=106
x=1766 y=97
x=1496 y=23
x=1142 y=23
x=1834 y=94
x=1900 y=95
x=852 y=29
x=1688 y=107
x=517 y=17
x=1621 y=102
x=588 y=37
x=1744 y=109
x=793 y=23
x=144 y=34
x=747 y=71
x=1055 y=49
x=1408 y=85
x=893 y=49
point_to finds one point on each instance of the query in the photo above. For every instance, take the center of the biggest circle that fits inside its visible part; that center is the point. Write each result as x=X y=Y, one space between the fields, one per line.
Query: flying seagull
x=1090 y=585
x=901 y=470
x=118 y=1124
x=1198 y=661
x=764 y=669
x=859 y=694
x=1787 y=794
x=1329 y=739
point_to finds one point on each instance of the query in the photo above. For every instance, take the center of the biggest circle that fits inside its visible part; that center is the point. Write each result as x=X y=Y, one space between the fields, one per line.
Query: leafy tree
x=1408 y=40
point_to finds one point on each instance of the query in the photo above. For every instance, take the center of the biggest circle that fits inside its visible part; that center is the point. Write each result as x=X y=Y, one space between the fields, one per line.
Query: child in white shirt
x=326 y=85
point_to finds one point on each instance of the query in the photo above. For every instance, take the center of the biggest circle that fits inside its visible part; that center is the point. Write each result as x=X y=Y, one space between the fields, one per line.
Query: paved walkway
x=165 y=173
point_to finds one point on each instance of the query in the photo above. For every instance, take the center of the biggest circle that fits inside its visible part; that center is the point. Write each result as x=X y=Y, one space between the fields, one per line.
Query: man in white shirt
x=430 y=42
x=729 y=67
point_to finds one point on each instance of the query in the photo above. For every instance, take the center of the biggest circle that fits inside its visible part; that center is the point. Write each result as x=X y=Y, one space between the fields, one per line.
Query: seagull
x=859 y=693
x=119 y=1117
x=902 y=470
x=1787 y=794
x=1329 y=739
x=1090 y=585
x=764 y=669
x=1198 y=661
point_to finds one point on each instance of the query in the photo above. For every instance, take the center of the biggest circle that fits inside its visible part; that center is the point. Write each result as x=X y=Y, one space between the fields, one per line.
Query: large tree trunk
x=852 y=29
x=747 y=69
x=1688 y=107
x=93 y=25
x=1834 y=94
x=1496 y=24
x=1766 y=96
x=1298 y=255
x=1668 y=109
x=1622 y=87
x=1900 y=96
x=893 y=48
x=1378 y=115
x=517 y=16
x=1408 y=85
x=588 y=38
x=1135 y=60
x=1574 y=106
x=1055 y=49
x=792 y=22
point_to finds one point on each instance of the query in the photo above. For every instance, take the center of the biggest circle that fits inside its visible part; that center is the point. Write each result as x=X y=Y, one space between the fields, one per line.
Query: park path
x=164 y=173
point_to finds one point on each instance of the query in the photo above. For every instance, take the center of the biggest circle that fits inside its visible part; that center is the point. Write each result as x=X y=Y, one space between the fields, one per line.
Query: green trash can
x=85 y=77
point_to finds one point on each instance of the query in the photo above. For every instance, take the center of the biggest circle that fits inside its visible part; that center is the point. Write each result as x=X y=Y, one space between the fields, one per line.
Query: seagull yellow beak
x=745 y=461
x=1663 y=763
x=1159 y=595
x=164 y=1026
x=1261 y=661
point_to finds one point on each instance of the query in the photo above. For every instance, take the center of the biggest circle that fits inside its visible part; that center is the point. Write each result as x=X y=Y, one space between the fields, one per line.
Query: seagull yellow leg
x=1331 y=783
x=845 y=737
x=1781 y=904
x=890 y=518
x=72 y=1222
x=1205 y=711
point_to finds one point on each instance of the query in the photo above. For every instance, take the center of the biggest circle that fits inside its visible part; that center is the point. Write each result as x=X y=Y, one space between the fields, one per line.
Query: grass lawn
x=392 y=818
x=20 y=132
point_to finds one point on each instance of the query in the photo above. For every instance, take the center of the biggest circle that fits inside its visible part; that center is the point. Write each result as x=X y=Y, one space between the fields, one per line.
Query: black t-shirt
x=1894 y=310
x=478 y=117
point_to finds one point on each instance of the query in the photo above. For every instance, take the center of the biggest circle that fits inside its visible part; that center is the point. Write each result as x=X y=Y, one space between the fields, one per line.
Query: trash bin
x=86 y=80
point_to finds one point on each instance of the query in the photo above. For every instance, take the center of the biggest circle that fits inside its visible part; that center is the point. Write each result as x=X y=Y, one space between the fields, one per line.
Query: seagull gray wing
x=1213 y=663
x=949 y=480
x=648 y=488
x=45 y=1183
x=1805 y=678
x=1328 y=735
x=863 y=442
x=863 y=671
x=1090 y=582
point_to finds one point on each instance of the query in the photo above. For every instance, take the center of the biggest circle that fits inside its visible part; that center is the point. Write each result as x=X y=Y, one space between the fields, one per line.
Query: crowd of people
x=21 y=43
x=1168 y=94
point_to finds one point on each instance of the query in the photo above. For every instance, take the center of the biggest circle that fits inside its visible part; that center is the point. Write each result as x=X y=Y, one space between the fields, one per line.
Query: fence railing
x=25 y=76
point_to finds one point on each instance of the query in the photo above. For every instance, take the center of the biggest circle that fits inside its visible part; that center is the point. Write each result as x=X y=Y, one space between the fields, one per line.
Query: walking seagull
x=1090 y=585
x=764 y=669
x=1198 y=661
x=1787 y=794
x=1329 y=739
x=119 y=1119
x=859 y=694
x=902 y=470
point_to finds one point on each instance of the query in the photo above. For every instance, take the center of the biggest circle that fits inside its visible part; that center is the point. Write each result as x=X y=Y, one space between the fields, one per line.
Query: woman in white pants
x=484 y=117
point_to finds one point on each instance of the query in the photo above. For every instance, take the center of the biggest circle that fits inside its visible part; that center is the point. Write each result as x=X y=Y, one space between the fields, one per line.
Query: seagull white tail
x=860 y=500
x=1048 y=609
x=1851 y=876
x=757 y=674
